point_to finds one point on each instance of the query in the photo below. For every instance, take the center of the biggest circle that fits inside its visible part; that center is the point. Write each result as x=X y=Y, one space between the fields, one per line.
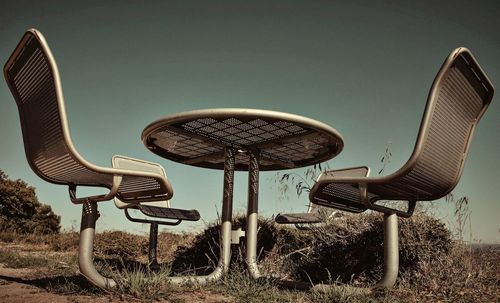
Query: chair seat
x=169 y=213
x=341 y=196
x=298 y=218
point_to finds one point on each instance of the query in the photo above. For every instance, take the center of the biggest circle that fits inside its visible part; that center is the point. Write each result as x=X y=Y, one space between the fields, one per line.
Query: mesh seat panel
x=338 y=195
x=341 y=196
x=169 y=213
x=298 y=218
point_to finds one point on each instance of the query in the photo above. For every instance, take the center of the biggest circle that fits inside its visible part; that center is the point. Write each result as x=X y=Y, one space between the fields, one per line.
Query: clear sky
x=363 y=67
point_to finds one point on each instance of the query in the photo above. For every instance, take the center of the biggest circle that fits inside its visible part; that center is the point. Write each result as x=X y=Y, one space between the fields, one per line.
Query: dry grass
x=433 y=267
x=463 y=275
x=356 y=241
x=13 y=259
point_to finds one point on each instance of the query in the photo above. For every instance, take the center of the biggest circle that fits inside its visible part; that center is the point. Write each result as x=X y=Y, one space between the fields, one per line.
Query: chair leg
x=153 y=243
x=86 y=247
x=391 y=252
x=391 y=261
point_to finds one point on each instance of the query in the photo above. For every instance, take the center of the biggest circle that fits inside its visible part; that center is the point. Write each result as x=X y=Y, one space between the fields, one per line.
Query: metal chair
x=33 y=78
x=155 y=209
x=458 y=98
x=316 y=213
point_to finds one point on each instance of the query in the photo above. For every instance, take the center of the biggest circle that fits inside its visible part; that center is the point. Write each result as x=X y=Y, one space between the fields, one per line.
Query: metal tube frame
x=90 y=216
x=252 y=226
x=391 y=252
x=86 y=247
x=152 y=250
x=153 y=237
x=252 y=215
x=391 y=260
x=147 y=221
x=226 y=228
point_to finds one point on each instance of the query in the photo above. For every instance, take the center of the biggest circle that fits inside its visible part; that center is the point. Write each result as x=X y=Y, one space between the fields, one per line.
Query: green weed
x=15 y=260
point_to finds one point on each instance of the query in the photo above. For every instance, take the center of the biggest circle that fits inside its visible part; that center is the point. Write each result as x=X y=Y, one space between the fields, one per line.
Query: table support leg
x=252 y=216
x=227 y=211
x=252 y=225
x=226 y=228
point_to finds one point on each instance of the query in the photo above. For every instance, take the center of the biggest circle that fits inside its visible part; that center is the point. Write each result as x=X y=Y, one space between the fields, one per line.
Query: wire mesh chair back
x=128 y=163
x=33 y=79
x=459 y=96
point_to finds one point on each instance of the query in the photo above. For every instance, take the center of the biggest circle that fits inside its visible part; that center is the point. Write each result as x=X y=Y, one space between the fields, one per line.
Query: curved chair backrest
x=128 y=163
x=33 y=79
x=459 y=96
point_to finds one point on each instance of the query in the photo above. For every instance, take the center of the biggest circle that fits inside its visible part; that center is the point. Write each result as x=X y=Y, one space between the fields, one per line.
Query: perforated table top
x=281 y=140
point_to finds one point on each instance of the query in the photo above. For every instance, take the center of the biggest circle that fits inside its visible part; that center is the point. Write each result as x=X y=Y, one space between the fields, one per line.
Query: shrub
x=20 y=210
x=352 y=247
x=202 y=253
x=65 y=241
x=347 y=248
x=120 y=245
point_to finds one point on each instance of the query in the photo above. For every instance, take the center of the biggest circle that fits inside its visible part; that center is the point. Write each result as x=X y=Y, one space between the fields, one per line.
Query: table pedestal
x=225 y=230
x=252 y=215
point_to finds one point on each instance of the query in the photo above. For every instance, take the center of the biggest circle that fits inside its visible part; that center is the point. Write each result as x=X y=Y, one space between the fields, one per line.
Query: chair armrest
x=359 y=176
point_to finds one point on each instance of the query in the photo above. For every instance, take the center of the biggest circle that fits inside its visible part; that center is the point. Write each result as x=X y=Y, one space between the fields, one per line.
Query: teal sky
x=363 y=67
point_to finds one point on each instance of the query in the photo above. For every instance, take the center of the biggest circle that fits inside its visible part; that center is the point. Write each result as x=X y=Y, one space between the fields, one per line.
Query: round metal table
x=241 y=139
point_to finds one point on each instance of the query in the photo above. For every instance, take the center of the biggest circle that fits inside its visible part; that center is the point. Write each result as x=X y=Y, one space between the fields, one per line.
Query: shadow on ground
x=56 y=283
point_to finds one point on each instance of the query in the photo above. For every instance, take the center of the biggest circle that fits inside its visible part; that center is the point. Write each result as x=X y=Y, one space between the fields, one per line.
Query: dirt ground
x=15 y=287
x=34 y=284
x=14 y=292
